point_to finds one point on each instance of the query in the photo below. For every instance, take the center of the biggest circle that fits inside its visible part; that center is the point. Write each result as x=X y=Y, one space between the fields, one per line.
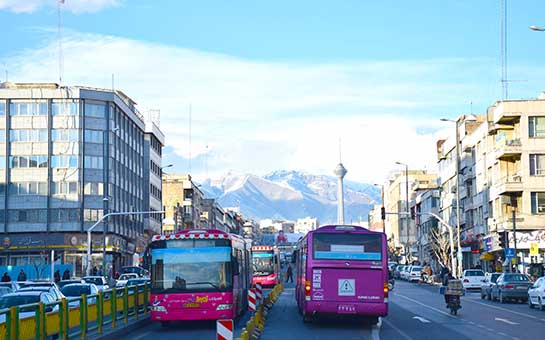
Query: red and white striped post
x=224 y=329
x=252 y=300
x=258 y=292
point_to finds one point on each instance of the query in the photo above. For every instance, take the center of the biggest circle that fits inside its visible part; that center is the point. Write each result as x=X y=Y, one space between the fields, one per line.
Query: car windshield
x=76 y=290
x=494 y=277
x=67 y=282
x=94 y=280
x=416 y=269
x=35 y=284
x=17 y=300
x=474 y=273
x=515 y=278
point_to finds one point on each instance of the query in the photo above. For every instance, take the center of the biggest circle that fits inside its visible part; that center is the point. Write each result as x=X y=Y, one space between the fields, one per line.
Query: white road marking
x=421 y=319
x=506 y=321
x=375 y=330
x=141 y=336
x=505 y=310
x=421 y=304
x=403 y=334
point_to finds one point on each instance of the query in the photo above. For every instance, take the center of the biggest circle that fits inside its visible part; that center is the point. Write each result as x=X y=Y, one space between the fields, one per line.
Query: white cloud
x=258 y=116
x=75 y=6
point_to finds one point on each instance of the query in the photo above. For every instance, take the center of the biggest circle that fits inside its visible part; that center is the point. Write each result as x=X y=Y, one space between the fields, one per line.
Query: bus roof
x=343 y=228
x=262 y=248
x=197 y=233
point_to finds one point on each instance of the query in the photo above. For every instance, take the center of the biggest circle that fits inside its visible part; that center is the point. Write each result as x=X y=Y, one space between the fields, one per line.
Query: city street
x=416 y=312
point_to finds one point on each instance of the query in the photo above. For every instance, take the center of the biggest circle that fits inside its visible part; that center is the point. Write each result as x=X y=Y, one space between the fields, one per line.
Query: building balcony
x=505 y=115
x=508 y=185
x=508 y=148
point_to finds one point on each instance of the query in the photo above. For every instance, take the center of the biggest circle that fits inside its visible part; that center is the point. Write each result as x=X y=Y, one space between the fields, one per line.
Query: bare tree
x=440 y=246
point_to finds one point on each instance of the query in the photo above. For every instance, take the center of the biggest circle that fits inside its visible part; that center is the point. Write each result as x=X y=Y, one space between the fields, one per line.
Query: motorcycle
x=453 y=303
x=391 y=284
x=453 y=291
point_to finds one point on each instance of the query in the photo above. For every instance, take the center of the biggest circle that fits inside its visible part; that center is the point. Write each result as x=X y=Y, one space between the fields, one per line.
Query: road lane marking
x=403 y=334
x=506 y=310
x=421 y=319
x=141 y=336
x=421 y=304
x=506 y=321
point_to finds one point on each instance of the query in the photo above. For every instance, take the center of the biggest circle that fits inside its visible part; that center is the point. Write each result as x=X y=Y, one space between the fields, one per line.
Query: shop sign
x=525 y=238
x=534 y=249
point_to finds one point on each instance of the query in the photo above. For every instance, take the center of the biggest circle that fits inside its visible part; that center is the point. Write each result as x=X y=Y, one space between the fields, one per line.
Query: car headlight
x=158 y=309
x=225 y=306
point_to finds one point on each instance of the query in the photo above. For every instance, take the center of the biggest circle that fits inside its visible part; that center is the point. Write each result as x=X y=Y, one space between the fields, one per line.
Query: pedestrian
x=21 y=276
x=57 y=275
x=289 y=274
x=66 y=275
x=6 y=278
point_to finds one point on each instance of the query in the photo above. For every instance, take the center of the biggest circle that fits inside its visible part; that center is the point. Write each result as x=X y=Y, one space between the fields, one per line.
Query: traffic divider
x=256 y=325
x=252 y=303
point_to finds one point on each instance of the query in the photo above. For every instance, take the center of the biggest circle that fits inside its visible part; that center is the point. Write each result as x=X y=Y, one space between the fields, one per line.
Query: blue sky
x=274 y=84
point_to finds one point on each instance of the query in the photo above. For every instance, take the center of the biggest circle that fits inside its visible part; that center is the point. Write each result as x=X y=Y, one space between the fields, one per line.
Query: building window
x=95 y=110
x=28 y=161
x=537 y=164
x=65 y=108
x=536 y=126
x=94 y=188
x=64 y=188
x=92 y=215
x=64 y=161
x=94 y=136
x=92 y=162
x=64 y=135
x=28 y=188
x=28 y=109
x=538 y=202
x=25 y=135
x=28 y=215
x=2 y=162
x=2 y=108
x=64 y=215
x=2 y=136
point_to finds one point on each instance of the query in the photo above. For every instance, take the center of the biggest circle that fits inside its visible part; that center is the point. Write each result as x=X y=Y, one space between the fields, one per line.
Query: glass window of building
x=2 y=136
x=64 y=135
x=94 y=136
x=95 y=110
x=537 y=164
x=64 y=161
x=538 y=202
x=28 y=108
x=93 y=162
x=64 y=188
x=536 y=126
x=65 y=108
x=94 y=188
x=2 y=108
x=2 y=162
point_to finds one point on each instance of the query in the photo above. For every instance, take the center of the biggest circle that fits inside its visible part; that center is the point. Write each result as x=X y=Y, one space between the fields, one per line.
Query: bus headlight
x=158 y=309
x=225 y=306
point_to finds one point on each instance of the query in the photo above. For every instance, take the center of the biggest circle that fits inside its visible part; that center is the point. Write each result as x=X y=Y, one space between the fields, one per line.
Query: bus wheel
x=307 y=318
x=373 y=320
x=165 y=324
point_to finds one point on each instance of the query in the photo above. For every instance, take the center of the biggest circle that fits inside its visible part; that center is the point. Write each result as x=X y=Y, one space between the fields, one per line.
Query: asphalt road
x=415 y=312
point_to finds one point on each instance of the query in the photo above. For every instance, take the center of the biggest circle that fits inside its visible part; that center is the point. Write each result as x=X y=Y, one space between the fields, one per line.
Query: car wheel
x=502 y=300
x=530 y=303
x=489 y=297
x=541 y=305
x=482 y=296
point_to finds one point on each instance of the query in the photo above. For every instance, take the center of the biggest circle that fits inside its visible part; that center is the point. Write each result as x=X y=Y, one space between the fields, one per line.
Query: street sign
x=509 y=252
x=534 y=249
x=347 y=287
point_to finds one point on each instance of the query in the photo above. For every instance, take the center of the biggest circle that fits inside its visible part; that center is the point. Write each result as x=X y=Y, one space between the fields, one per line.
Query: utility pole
x=459 y=258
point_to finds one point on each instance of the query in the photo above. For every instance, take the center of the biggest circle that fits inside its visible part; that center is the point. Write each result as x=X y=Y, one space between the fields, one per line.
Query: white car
x=99 y=281
x=124 y=278
x=472 y=278
x=536 y=294
x=25 y=298
x=405 y=273
x=74 y=291
x=414 y=274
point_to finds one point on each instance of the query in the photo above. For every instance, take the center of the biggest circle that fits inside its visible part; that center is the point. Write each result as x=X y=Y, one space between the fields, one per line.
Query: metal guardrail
x=59 y=319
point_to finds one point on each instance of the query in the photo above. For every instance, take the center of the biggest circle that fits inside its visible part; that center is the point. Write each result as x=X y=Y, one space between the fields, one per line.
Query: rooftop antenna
x=59 y=38
x=190 y=108
x=340 y=154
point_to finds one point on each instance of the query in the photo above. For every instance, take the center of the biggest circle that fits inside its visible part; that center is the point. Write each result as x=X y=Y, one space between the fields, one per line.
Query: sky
x=273 y=85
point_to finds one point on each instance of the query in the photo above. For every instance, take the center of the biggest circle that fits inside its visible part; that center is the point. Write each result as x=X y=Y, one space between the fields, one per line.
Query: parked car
x=405 y=273
x=414 y=274
x=63 y=283
x=123 y=278
x=74 y=291
x=136 y=270
x=51 y=287
x=397 y=271
x=14 y=285
x=536 y=294
x=53 y=290
x=486 y=287
x=136 y=282
x=99 y=281
x=24 y=298
x=511 y=286
x=5 y=290
x=472 y=278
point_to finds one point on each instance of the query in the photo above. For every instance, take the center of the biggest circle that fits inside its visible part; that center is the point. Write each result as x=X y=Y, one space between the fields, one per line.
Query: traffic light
x=383 y=213
x=413 y=214
x=503 y=240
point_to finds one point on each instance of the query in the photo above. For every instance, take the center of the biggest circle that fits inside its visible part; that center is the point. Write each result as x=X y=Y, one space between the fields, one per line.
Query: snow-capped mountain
x=291 y=195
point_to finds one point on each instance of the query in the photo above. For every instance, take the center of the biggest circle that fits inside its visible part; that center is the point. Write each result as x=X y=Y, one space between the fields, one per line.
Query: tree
x=440 y=246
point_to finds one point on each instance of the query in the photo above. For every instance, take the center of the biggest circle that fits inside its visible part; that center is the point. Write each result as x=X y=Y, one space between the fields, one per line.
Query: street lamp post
x=125 y=213
x=407 y=222
x=457 y=175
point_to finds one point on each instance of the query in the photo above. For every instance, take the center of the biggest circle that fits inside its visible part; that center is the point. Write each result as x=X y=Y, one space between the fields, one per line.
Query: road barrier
x=88 y=313
x=252 y=303
x=224 y=329
x=255 y=326
x=258 y=292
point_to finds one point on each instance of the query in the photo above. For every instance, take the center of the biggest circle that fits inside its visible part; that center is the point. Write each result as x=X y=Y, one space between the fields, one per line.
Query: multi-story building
x=395 y=202
x=68 y=155
x=426 y=202
x=182 y=202
x=376 y=223
x=154 y=140
x=304 y=225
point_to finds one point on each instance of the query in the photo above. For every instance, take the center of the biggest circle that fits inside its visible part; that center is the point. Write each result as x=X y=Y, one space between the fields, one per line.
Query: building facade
x=183 y=203
x=304 y=225
x=68 y=155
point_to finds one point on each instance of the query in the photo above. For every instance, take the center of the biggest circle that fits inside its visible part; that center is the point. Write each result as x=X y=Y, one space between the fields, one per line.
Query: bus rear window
x=347 y=246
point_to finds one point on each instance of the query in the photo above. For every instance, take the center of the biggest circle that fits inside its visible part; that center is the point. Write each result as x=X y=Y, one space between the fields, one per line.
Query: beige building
x=304 y=225
x=183 y=202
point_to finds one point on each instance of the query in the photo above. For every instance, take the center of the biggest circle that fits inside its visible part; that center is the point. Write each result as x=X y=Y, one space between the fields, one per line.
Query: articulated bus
x=342 y=270
x=266 y=265
x=199 y=275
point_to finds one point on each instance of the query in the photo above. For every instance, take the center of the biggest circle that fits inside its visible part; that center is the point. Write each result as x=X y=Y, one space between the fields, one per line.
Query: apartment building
x=68 y=155
x=304 y=225
x=182 y=201
x=425 y=203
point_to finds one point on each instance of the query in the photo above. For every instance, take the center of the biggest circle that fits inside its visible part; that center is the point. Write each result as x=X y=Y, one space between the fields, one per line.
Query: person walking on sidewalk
x=289 y=274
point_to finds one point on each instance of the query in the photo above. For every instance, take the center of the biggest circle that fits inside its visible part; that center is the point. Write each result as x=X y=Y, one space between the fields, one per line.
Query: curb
x=121 y=331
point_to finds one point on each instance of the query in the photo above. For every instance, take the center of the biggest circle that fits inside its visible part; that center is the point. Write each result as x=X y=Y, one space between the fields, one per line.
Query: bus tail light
x=307 y=290
x=386 y=289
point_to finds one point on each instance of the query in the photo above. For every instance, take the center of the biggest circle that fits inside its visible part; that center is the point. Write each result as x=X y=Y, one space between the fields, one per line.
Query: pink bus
x=342 y=270
x=266 y=265
x=198 y=275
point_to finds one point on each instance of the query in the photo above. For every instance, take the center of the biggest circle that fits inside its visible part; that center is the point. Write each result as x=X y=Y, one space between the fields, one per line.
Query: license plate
x=346 y=309
x=522 y=287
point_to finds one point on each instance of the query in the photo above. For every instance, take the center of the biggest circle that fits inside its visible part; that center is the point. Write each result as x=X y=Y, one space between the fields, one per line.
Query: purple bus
x=342 y=270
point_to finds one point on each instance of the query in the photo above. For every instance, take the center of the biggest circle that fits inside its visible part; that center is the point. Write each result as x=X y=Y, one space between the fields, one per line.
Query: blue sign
x=509 y=252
